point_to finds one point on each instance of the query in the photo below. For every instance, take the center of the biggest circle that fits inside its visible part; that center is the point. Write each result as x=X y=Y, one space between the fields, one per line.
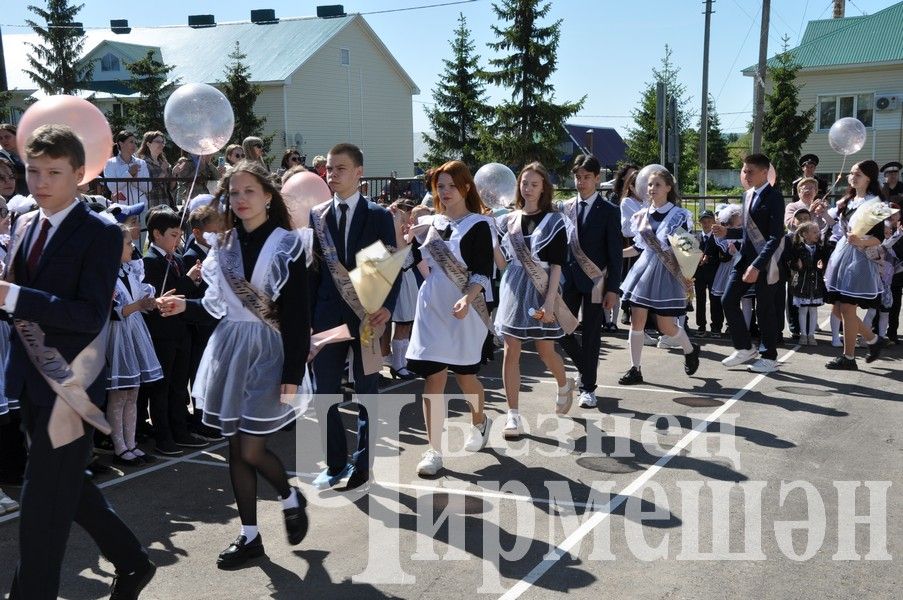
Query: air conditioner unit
x=886 y=102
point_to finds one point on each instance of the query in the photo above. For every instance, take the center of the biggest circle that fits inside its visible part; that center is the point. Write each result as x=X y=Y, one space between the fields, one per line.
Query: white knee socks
x=115 y=406
x=835 y=329
x=399 y=349
x=808 y=320
x=683 y=339
x=883 y=319
x=635 y=345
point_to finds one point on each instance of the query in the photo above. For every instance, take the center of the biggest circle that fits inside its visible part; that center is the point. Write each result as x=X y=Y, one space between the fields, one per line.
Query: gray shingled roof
x=273 y=51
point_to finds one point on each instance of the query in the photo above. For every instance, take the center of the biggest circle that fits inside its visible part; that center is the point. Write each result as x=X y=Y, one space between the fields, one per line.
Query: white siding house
x=323 y=81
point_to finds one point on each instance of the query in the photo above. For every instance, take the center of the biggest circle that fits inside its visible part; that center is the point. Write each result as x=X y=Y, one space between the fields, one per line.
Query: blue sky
x=607 y=50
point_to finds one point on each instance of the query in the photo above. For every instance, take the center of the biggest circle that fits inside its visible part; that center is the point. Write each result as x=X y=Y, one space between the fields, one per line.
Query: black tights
x=249 y=455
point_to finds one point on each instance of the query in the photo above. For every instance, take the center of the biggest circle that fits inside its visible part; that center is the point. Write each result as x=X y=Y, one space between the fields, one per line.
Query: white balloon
x=642 y=180
x=847 y=136
x=199 y=118
x=496 y=184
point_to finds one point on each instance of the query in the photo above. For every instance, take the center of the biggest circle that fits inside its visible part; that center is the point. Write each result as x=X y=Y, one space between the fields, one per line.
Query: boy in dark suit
x=168 y=397
x=352 y=222
x=756 y=265
x=597 y=226
x=59 y=288
x=705 y=277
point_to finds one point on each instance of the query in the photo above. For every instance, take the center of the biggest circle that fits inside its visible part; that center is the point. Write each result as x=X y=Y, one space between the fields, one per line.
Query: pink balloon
x=772 y=175
x=85 y=119
x=302 y=192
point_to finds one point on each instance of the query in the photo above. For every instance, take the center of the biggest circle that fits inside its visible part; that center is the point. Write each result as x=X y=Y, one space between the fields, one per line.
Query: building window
x=117 y=109
x=110 y=62
x=345 y=56
x=831 y=108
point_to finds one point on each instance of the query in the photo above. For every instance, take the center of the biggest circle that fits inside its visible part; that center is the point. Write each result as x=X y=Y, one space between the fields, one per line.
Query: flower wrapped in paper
x=686 y=251
x=870 y=213
x=376 y=272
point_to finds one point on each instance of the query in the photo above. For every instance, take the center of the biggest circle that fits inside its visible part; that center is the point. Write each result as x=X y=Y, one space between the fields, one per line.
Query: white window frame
x=837 y=97
x=343 y=54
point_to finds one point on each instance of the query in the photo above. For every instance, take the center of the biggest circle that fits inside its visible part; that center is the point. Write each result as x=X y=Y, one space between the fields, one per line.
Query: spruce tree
x=55 y=63
x=242 y=94
x=149 y=79
x=460 y=106
x=529 y=126
x=642 y=138
x=784 y=128
x=717 y=156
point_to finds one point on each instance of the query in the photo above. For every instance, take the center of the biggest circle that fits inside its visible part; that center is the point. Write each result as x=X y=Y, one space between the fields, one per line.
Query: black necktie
x=343 y=222
x=752 y=202
x=37 y=249
x=581 y=213
x=173 y=264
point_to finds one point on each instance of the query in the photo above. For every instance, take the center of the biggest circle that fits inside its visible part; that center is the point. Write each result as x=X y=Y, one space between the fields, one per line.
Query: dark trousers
x=12 y=447
x=168 y=397
x=328 y=367
x=893 y=319
x=584 y=354
x=793 y=313
x=54 y=494
x=766 y=311
x=703 y=288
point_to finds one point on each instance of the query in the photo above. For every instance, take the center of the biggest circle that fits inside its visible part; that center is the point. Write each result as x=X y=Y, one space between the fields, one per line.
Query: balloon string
x=843 y=167
x=194 y=179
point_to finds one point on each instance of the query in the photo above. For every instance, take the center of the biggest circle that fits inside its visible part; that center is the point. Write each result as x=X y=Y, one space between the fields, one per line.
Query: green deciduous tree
x=55 y=62
x=529 y=126
x=460 y=105
x=784 y=128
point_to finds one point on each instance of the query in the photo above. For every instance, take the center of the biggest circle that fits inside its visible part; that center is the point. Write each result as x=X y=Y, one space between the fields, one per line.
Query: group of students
x=236 y=320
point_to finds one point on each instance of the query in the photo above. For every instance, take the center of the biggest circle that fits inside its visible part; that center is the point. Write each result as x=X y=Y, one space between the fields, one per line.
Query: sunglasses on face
x=239 y=155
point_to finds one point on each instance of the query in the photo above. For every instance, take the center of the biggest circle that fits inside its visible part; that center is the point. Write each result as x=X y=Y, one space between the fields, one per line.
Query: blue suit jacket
x=370 y=223
x=69 y=296
x=602 y=243
x=769 y=217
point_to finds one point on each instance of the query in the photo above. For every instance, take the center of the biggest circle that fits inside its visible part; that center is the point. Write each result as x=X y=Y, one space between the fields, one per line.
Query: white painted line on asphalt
x=572 y=540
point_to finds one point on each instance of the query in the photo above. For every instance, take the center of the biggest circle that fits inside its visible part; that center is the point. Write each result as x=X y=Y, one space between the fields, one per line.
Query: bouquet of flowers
x=870 y=213
x=686 y=250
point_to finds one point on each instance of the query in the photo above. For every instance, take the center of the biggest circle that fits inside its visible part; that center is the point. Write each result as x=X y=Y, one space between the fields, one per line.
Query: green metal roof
x=273 y=52
x=867 y=39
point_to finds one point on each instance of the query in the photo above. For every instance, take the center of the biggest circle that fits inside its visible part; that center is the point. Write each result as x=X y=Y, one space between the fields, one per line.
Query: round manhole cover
x=470 y=505
x=606 y=464
x=697 y=402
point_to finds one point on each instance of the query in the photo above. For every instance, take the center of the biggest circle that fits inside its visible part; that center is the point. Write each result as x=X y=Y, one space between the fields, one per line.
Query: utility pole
x=3 y=84
x=704 y=118
x=661 y=106
x=760 y=79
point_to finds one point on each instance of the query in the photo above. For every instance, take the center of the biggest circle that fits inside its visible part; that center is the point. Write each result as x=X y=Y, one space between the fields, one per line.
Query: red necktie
x=173 y=264
x=34 y=257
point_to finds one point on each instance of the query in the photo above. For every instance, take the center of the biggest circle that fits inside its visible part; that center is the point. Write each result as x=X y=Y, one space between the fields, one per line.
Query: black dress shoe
x=874 y=350
x=167 y=448
x=357 y=478
x=119 y=459
x=296 y=522
x=191 y=441
x=691 y=360
x=631 y=377
x=129 y=585
x=842 y=363
x=239 y=552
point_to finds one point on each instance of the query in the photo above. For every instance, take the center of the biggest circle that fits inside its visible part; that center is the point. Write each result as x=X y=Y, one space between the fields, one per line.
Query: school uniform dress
x=546 y=237
x=406 y=305
x=649 y=284
x=130 y=351
x=851 y=276
x=629 y=206
x=807 y=282
x=439 y=340
x=246 y=360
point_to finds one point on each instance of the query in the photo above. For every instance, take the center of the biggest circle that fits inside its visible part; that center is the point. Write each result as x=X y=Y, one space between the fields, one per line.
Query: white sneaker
x=648 y=340
x=588 y=400
x=565 y=400
x=667 y=342
x=430 y=463
x=7 y=504
x=478 y=436
x=763 y=365
x=513 y=427
x=738 y=357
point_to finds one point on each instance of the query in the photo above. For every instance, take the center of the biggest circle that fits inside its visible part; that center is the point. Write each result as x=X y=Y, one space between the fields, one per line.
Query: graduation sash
x=371 y=354
x=256 y=301
x=666 y=256
x=589 y=268
x=69 y=381
x=455 y=271
x=537 y=274
x=758 y=240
